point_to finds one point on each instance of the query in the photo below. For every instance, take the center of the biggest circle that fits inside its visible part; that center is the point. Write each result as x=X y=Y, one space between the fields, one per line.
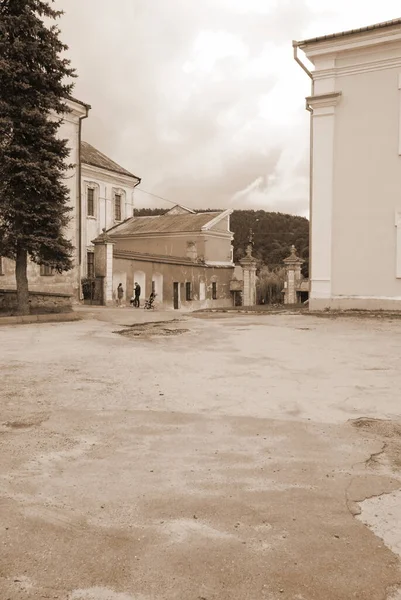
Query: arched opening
x=140 y=277
x=118 y=278
x=157 y=286
x=202 y=290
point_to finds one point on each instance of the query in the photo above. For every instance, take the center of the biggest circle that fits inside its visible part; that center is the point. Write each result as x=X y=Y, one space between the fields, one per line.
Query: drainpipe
x=138 y=181
x=295 y=46
x=80 y=189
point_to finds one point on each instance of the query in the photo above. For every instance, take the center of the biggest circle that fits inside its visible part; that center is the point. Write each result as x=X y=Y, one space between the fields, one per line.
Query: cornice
x=323 y=100
x=377 y=65
x=108 y=176
x=359 y=41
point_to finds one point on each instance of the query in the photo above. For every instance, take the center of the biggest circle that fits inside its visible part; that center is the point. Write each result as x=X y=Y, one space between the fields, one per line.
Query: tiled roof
x=91 y=156
x=163 y=224
x=341 y=34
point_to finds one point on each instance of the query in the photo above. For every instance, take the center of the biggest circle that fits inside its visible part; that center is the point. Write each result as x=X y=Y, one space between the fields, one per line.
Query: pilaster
x=323 y=114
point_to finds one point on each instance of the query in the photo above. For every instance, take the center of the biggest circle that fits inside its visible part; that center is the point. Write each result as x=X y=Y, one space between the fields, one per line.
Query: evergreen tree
x=34 y=207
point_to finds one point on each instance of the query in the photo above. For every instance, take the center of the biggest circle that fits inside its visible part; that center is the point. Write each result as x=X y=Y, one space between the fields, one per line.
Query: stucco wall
x=64 y=283
x=39 y=302
x=367 y=185
x=217 y=249
x=166 y=245
x=182 y=275
x=105 y=184
x=208 y=246
x=356 y=180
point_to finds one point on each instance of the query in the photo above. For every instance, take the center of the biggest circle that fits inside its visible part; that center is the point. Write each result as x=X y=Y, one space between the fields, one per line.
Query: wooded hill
x=273 y=234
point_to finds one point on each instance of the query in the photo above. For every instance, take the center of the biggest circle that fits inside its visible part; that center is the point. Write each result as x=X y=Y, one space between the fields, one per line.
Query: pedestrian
x=137 y=292
x=120 y=294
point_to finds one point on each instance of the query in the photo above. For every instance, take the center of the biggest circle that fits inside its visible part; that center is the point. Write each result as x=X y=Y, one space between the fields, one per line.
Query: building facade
x=44 y=279
x=107 y=199
x=355 y=209
x=186 y=258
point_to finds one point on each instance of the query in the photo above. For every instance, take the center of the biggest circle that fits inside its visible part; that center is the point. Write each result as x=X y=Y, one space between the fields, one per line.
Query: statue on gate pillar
x=293 y=266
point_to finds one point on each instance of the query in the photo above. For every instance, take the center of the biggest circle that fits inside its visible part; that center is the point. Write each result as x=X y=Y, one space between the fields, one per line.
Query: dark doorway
x=176 y=294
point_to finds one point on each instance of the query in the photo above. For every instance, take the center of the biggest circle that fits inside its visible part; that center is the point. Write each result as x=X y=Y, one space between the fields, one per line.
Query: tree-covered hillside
x=273 y=234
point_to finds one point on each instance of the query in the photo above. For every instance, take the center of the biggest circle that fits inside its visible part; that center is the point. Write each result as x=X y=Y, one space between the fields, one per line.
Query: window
x=117 y=207
x=214 y=290
x=90 y=264
x=188 y=291
x=46 y=270
x=1 y=266
x=91 y=202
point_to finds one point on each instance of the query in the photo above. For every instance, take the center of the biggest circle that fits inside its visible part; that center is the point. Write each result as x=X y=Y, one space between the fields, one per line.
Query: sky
x=202 y=99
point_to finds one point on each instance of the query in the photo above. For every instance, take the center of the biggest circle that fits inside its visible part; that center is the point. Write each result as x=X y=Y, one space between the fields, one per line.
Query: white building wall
x=356 y=183
x=106 y=184
x=367 y=186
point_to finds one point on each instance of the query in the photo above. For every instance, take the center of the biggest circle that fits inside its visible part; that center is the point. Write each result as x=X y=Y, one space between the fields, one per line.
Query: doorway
x=176 y=295
x=157 y=286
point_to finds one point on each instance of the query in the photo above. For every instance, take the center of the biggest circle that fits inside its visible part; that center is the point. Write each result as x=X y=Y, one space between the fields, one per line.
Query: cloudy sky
x=202 y=98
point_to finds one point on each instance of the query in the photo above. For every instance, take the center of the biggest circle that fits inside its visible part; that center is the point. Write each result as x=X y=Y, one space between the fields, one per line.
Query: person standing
x=120 y=294
x=137 y=295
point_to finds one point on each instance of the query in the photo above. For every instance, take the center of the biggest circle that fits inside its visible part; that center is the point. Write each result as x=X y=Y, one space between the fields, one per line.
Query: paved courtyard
x=222 y=457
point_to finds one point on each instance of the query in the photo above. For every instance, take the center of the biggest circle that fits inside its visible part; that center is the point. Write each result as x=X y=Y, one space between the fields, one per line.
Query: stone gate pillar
x=248 y=264
x=293 y=266
x=104 y=265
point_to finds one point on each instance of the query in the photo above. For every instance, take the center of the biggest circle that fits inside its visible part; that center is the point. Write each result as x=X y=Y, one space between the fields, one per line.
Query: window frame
x=119 y=205
x=214 y=290
x=91 y=264
x=91 y=190
x=46 y=271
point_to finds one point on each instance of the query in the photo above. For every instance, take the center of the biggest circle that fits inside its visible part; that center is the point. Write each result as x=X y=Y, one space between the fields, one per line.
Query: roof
x=323 y=38
x=79 y=102
x=91 y=156
x=180 y=209
x=164 y=224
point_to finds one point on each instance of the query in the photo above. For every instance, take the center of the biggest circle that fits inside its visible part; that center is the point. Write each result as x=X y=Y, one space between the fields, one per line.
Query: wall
x=164 y=245
x=105 y=184
x=182 y=274
x=217 y=249
x=367 y=184
x=356 y=170
x=40 y=302
x=209 y=246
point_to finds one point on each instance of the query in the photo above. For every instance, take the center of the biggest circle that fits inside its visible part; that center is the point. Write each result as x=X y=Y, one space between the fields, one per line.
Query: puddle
x=146 y=330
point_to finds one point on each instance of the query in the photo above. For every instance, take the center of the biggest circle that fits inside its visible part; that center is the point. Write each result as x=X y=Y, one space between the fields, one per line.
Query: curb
x=46 y=318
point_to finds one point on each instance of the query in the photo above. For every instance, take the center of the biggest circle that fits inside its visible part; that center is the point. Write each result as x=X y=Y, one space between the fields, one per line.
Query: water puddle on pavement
x=157 y=329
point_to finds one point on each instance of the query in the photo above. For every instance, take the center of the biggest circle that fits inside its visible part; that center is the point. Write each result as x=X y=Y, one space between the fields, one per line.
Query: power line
x=156 y=196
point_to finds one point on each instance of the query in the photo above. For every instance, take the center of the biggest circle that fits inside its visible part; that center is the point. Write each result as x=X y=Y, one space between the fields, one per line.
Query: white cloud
x=203 y=100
